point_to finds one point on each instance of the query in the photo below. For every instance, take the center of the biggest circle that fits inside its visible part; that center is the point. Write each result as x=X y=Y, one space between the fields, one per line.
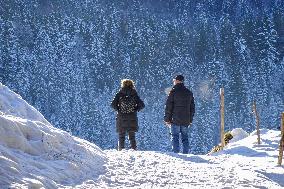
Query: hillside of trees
x=66 y=58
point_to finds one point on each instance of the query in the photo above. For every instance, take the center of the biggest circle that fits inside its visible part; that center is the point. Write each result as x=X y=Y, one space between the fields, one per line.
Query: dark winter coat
x=127 y=122
x=180 y=107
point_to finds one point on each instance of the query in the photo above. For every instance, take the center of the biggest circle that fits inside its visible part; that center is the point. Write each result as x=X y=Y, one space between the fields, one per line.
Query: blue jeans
x=175 y=130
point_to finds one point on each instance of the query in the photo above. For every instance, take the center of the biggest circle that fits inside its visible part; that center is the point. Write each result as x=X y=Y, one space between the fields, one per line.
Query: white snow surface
x=238 y=134
x=34 y=154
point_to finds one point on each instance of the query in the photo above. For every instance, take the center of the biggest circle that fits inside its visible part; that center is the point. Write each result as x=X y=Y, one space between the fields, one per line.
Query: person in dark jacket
x=127 y=103
x=179 y=112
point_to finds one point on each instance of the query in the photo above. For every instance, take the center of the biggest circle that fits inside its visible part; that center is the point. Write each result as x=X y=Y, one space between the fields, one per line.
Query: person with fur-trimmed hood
x=127 y=103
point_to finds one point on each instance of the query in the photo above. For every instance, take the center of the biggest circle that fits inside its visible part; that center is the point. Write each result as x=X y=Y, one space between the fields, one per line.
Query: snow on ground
x=238 y=134
x=34 y=154
x=243 y=164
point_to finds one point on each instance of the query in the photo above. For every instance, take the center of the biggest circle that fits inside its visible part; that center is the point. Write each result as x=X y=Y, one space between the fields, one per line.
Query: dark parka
x=127 y=122
x=180 y=107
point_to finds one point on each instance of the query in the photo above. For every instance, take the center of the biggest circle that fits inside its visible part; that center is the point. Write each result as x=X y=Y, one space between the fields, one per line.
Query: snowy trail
x=239 y=167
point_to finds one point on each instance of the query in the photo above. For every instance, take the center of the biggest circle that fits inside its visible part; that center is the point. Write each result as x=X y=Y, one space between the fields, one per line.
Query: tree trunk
x=257 y=122
x=222 y=111
x=281 y=146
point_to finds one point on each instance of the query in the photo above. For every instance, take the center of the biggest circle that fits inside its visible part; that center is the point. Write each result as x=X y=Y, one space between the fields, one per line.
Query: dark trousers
x=121 y=139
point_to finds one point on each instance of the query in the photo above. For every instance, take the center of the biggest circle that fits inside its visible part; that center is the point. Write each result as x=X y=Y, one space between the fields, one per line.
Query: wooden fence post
x=281 y=145
x=222 y=111
x=257 y=121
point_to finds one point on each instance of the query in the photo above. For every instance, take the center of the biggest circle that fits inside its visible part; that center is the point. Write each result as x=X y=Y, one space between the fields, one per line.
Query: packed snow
x=34 y=154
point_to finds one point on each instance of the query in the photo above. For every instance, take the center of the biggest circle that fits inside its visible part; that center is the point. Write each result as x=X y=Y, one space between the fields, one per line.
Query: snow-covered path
x=237 y=167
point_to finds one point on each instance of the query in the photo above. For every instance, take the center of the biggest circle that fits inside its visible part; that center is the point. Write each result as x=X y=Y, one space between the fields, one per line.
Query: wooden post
x=257 y=121
x=222 y=111
x=281 y=146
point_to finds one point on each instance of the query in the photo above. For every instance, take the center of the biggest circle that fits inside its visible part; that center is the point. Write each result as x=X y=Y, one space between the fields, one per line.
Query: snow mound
x=246 y=144
x=13 y=104
x=34 y=154
x=238 y=134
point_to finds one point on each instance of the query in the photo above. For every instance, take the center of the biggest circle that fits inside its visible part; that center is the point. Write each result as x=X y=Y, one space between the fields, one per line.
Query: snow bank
x=34 y=154
x=12 y=104
x=246 y=144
